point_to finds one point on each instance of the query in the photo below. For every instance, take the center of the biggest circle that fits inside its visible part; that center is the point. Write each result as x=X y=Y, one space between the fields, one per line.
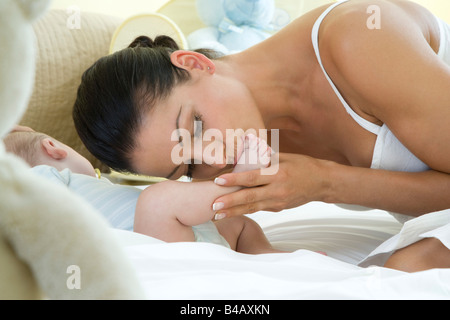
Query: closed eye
x=190 y=170
x=198 y=126
x=198 y=130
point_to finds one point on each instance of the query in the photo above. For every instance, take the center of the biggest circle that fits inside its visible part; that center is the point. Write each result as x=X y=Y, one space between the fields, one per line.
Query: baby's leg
x=255 y=155
x=245 y=235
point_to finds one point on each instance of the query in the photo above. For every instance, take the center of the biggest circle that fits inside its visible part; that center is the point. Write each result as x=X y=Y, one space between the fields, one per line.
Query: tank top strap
x=444 y=46
x=369 y=126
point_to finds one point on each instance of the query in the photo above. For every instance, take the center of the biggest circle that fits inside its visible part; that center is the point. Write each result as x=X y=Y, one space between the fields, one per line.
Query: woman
x=362 y=95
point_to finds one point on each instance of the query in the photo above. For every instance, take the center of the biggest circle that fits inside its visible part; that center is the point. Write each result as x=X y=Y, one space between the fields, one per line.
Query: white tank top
x=389 y=153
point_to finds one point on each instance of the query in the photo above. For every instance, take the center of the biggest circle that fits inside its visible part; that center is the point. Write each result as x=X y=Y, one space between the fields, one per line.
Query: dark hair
x=118 y=89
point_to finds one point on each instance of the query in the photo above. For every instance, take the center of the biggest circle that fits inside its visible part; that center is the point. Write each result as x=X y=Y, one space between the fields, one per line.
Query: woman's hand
x=290 y=181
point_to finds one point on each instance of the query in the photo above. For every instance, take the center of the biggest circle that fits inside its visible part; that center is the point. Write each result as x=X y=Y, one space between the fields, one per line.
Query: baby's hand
x=255 y=155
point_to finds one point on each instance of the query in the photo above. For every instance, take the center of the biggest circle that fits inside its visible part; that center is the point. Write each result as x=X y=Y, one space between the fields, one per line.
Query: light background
x=126 y=8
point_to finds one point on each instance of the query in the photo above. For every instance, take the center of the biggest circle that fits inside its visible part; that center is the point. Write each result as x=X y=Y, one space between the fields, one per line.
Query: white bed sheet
x=202 y=271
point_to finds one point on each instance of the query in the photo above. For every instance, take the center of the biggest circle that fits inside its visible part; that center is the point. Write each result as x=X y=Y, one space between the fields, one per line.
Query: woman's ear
x=53 y=150
x=191 y=60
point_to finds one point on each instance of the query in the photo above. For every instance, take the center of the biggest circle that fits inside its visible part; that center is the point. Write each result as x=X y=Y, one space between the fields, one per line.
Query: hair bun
x=142 y=41
x=160 y=41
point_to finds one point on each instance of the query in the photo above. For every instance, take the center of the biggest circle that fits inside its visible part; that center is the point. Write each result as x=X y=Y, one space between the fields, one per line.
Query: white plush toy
x=235 y=25
x=52 y=244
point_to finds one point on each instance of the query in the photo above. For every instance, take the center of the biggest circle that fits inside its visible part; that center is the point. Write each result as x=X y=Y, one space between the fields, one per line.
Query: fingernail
x=218 y=206
x=220 y=216
x=220 y=181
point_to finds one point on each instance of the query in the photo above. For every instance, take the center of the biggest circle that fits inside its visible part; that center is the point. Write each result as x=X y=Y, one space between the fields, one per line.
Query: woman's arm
x=407 y=193
x=302 y=179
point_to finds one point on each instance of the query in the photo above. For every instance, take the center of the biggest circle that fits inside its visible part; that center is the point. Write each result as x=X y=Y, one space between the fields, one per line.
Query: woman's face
x=197 y=130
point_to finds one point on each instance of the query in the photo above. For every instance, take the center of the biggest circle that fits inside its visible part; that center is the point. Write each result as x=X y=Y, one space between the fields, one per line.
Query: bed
x=201 y=271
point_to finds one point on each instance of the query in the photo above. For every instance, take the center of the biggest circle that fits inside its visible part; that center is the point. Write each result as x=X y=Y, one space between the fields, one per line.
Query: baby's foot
x=255 y=155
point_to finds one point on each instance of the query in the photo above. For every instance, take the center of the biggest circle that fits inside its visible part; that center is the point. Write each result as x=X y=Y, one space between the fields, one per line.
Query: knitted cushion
x=63 y=54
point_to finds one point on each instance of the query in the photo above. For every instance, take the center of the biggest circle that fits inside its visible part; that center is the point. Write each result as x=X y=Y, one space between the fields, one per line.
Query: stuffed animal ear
x=33 y=8
x=210 y=12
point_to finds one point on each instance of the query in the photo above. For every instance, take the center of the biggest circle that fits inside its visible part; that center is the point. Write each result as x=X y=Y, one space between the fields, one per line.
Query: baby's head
x=40 y=149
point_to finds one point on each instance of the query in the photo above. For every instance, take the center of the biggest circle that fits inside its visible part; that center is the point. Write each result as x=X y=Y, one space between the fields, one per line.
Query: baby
x=171 y=211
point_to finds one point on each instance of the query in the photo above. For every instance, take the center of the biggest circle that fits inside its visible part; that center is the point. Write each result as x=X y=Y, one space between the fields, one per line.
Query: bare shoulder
x=356 y=42
x=365 y=9
x=360 y=22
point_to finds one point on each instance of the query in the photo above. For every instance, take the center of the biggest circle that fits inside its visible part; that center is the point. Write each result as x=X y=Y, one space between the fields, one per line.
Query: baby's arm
x=191 y=202
x=168 y=209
